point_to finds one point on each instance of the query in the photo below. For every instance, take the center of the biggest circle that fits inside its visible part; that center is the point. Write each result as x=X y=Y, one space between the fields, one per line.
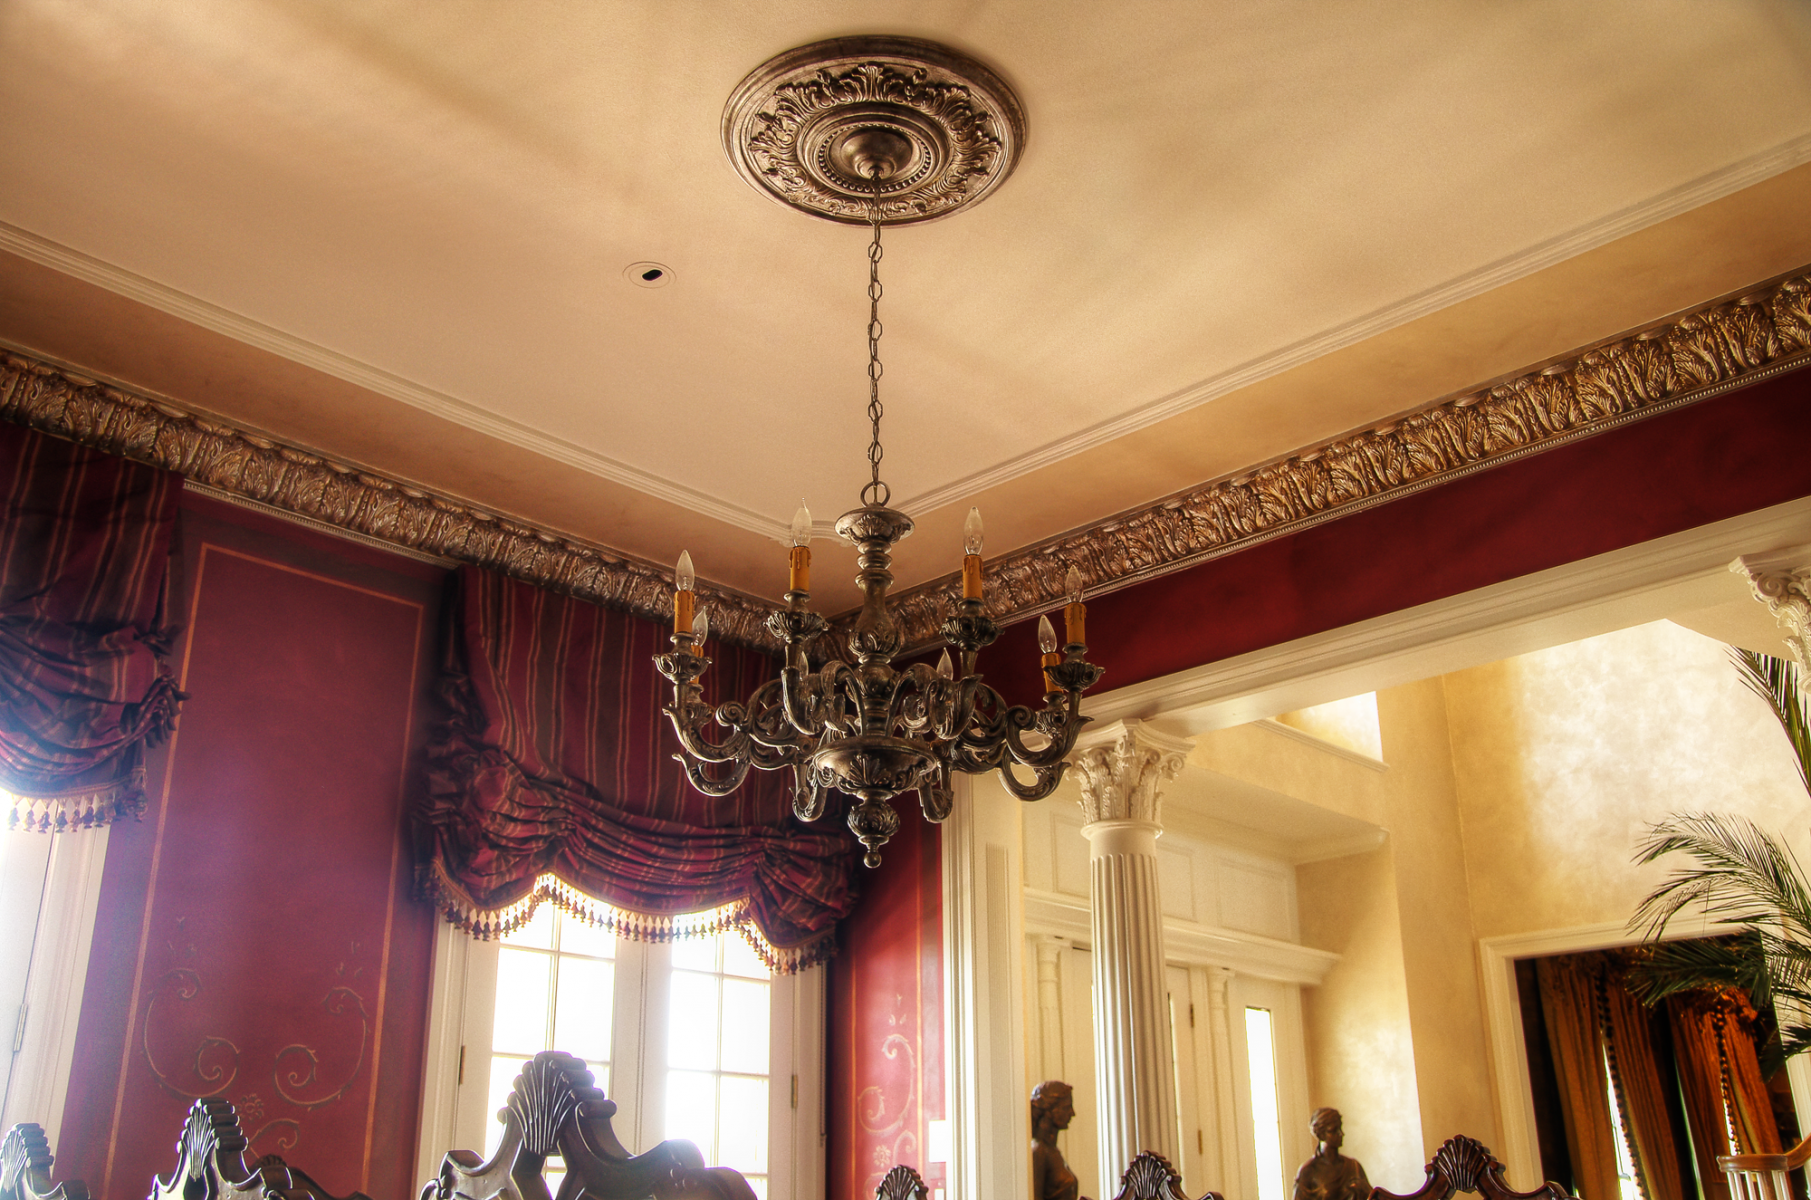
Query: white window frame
x=41 y=1037
x=461 y=1006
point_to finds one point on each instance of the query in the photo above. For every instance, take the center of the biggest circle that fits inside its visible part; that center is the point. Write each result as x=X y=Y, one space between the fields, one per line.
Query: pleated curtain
x=1641 y=1090
x=85 y=687
x=554 y=780
x=1571 y=1005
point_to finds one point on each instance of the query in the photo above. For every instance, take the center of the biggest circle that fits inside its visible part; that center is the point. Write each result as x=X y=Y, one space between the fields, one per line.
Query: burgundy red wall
x=885 y=1069
x=1712 y=460
x=258 y=938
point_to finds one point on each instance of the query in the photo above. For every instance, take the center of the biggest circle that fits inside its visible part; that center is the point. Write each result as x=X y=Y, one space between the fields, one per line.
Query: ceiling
x=398 y=233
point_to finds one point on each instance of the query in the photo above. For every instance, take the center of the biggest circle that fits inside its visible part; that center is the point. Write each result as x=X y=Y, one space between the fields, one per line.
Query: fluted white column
x=1120 y=774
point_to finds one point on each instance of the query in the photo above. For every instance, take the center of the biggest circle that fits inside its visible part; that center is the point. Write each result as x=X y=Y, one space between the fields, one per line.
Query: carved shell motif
x=901 y=1183
x=1150 y=1177
x=24 y=1160
x=1464 y=1161
x=547 y=1092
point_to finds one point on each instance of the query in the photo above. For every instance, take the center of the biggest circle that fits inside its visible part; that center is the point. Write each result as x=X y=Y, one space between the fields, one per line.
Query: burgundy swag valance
x=84 y=559
x=557 y=761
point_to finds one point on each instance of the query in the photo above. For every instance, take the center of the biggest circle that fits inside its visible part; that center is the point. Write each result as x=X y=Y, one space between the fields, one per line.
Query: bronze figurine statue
x=1052 y=1108
x=1330 y=1175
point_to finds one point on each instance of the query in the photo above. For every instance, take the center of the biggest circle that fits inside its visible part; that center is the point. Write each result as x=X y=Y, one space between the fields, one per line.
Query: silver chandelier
x=893 y=130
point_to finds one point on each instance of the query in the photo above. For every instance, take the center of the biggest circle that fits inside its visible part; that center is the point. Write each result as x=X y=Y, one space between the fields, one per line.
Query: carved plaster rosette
x=814 y=126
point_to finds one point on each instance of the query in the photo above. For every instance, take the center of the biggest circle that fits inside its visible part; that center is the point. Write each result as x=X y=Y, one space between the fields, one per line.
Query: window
x=1266 y=1110
x=693 y=1039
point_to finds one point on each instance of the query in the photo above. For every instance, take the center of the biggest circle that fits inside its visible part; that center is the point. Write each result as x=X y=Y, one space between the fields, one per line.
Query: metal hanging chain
x=876 y=492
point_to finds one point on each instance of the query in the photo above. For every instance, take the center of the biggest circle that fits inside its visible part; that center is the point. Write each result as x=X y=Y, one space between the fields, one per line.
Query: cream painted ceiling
x=437 y=201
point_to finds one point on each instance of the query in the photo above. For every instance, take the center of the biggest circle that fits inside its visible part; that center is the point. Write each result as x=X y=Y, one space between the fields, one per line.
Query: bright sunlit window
x=556 y=983
x=717 y=1034
x=680 y=1034
x=1266 y=1112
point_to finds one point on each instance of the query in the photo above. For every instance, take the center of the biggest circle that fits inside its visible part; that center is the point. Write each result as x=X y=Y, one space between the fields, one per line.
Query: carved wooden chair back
x=1151 y=1177
x=901 y=1183
x=25 y=1160
x=1462 y=1164
x=210 y=1157
x=210 y=1164
x=555 y=1108
x=1751 y=1176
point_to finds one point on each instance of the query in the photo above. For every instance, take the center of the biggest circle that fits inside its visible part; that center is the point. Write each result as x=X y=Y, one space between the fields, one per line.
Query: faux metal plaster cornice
x=246 y=466
x=1673 y=364
x=1670 y=365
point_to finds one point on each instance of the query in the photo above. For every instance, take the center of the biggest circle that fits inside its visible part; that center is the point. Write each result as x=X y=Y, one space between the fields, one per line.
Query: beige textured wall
x=1515 y=795
x=1439 y=958
x=1564 y=757
x=1361 y=1052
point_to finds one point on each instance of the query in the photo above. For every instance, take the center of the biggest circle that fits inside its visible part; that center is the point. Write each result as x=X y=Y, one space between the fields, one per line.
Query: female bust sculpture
x=1330 y=1175
x=1052 y=1108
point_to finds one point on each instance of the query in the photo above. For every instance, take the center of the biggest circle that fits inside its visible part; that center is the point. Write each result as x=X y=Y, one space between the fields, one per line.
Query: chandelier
x=877 y=131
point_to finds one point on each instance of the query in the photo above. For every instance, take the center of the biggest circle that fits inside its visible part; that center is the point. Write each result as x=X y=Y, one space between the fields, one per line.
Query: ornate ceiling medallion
x=829 y=127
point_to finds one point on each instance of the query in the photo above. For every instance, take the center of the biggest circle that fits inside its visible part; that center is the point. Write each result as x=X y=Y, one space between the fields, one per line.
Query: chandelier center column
x=1120 y=775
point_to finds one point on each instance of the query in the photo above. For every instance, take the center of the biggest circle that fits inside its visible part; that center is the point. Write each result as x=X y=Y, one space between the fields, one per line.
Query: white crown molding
x=1636 y=217
x=1050 y=913
x=57 y=257
x=1641 y=583
x=1322 y=744
x=1674 y=201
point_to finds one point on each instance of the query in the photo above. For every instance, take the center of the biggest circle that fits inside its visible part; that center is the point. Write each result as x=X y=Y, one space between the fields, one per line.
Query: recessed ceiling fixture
x=648 y=274
x=880 y=131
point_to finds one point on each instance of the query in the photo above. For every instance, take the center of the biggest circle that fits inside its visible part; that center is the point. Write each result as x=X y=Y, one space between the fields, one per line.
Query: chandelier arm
x=689 y=724
x=961 y=710
x=694 y=771
x=809 y=800
x=1045 y=780
x=1061 y=741
x=767 y=724
x=802 y=702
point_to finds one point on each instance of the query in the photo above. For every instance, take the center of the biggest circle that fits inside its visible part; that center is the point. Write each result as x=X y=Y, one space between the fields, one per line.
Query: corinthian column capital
x=1122 y=766
x=1781 y=579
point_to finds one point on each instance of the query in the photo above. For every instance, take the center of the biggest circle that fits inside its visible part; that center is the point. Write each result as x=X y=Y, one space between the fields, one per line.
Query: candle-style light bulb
x=1075 y=613
x=701 y=627
x=1050 y=658
x=971 y=555
x=944 y=669
x=971 y=532
x=683 y=595
x=798 y=561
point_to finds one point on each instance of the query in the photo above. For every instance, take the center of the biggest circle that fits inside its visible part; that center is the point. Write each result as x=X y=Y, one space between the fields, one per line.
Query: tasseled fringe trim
x=458 y=907
x=79 y=810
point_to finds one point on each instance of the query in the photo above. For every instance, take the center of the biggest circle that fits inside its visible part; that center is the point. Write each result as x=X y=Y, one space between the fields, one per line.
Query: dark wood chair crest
x=1463 y=1164
x=1151 y=1177
x=555 y=1108
x=901 y=1183
x=210 y=1157
x=25 y=1160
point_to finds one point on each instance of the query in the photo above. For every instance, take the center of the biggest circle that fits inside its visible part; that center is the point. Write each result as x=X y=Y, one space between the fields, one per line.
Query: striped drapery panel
x=84 y=689
x=553 y=778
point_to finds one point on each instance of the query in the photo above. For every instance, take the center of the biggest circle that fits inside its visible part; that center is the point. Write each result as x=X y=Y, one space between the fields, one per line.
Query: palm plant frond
x=1743 y=879
x=1776 y=680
